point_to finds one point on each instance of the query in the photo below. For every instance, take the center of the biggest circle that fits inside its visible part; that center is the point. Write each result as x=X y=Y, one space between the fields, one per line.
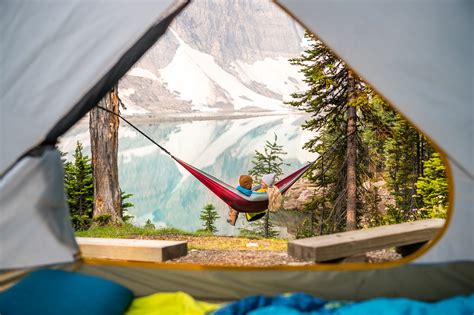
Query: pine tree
x=267 y=162
x=126 y=205
x=208 y=217
x=401 y=164
x=264 y=227
x=433 y=188
x=359 y=138
x=327 y=208
x=149 y=225
x=79 y=188
x=337 y=100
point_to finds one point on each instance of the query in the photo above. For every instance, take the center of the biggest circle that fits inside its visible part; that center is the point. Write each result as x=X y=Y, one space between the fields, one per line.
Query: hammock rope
x=137 y=129
x=227 y=193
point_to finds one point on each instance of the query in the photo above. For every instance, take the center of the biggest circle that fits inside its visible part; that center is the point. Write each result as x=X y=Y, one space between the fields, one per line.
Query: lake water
x=166 y=193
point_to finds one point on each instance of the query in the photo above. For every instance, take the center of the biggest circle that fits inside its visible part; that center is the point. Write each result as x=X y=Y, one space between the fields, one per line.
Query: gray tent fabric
x=58 y=60
x=54 y=55
x=424 y=282
x=419 y=56
x=35 y=228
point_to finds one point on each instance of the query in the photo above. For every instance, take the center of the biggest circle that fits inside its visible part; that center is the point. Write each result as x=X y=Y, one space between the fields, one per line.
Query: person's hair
x=245 y=181
x=275 y=199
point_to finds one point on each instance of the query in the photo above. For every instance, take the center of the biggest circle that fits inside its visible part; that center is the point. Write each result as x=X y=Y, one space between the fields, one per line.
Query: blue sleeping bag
x=299 y=304
x=57 y=292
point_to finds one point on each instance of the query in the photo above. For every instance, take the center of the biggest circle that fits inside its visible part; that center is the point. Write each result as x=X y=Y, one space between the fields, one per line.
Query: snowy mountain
x=218 y=56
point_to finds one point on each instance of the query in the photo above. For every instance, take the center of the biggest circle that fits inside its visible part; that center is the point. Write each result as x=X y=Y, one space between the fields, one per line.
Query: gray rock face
x=236 y=29
x=299 y=195
x=218 y=56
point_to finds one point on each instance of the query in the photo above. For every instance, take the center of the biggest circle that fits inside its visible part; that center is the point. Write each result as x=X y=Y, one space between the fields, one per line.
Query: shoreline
x=176 y=117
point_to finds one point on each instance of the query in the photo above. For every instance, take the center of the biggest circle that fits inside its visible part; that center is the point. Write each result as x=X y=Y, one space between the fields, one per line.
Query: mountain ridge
x=218 y=56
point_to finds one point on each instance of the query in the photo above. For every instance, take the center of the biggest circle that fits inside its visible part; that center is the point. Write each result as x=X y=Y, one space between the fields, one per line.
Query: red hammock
x=256 y=202
x=234 y=198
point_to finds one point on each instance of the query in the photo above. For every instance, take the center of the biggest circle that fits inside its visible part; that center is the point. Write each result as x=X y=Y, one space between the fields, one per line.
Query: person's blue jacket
x=245 y=191
x=248 y=192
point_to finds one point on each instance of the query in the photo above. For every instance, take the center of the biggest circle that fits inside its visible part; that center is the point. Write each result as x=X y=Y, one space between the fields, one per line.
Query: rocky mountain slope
x=218 y=56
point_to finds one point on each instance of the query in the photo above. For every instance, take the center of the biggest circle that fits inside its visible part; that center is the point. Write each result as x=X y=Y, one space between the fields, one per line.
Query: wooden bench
x=408 y=237
x=131 y=249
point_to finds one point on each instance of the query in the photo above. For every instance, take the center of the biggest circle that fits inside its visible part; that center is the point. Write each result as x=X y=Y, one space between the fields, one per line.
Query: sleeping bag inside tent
x=59 y=59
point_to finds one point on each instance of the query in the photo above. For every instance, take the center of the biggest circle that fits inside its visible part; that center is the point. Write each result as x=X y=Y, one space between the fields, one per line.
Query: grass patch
x=236 y=243
x=128 y=230
x=199 y=240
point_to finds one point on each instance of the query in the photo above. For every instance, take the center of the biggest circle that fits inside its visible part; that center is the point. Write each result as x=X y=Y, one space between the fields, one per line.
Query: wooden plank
x=131 y=249
x=346 y=244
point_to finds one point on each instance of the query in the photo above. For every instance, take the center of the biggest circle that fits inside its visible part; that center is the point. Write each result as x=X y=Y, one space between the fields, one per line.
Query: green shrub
x=208 y=217
x=149 y=225
x=103 y=219
x=432 y=188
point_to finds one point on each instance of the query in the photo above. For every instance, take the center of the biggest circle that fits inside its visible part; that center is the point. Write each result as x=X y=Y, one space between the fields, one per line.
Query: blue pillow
x=60 y=292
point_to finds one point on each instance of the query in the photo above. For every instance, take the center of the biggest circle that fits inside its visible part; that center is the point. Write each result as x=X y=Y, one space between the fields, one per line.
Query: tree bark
x=323 y=204
x=267 y=224
x=103 y=128
x=351 y=158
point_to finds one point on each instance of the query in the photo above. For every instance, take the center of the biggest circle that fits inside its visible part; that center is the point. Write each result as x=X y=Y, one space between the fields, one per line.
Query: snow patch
x=277 y=74
x=142 y=73
x=126 y=92
x=197 y=78
x=131 y=107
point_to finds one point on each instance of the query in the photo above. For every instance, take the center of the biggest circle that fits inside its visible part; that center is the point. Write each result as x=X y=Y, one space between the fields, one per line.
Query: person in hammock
x=245 y=187
x=275 y=198
x=266 y=186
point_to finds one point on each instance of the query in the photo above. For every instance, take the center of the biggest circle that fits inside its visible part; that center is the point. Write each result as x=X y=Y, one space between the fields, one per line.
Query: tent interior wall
x=424 y=68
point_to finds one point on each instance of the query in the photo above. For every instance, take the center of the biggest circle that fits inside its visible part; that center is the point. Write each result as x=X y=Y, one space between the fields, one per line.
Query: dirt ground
x=262 y=258
x=239 y=251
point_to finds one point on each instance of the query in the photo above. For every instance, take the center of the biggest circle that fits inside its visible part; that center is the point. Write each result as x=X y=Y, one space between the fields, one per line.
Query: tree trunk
x=267 y=224
x=422 y=156
x=418 y=156
x=323 y=203
x=351 y=157
x=104 y=148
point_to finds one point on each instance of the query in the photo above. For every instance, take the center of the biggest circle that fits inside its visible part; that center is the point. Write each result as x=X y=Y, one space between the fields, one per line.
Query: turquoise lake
x=169 y=196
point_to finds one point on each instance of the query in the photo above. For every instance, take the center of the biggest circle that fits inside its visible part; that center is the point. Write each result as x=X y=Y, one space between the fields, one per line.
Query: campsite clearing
x=199 y=241
x=223 y=250
x=263 y=258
